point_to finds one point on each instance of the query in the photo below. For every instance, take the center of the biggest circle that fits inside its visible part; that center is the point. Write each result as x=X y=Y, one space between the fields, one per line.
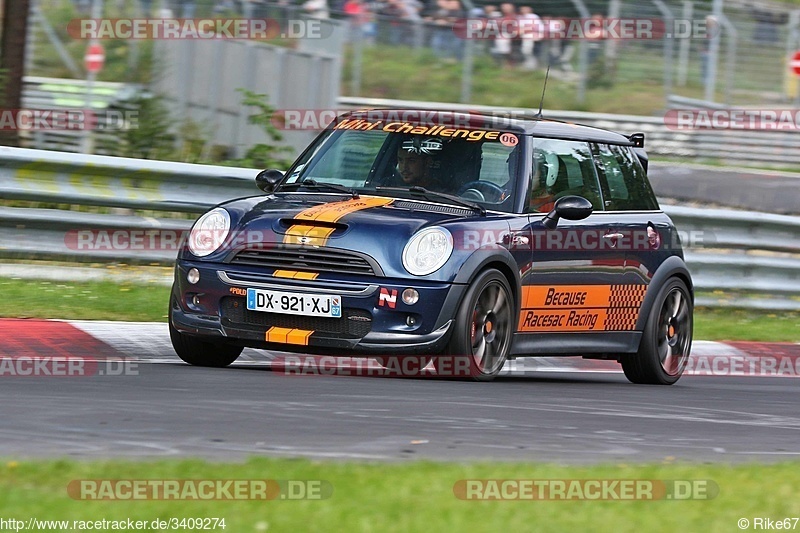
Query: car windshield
x=479 y=166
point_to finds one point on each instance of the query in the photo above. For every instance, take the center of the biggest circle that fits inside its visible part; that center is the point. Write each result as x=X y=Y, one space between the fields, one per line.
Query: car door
x=630 y=202
x=577 y=269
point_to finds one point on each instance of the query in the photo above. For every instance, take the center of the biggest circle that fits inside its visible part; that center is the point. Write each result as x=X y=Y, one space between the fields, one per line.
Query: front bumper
x=215 y=307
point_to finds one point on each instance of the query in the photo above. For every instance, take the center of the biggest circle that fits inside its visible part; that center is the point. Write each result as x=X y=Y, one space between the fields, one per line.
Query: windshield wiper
x=311 y=183
x=422 y=191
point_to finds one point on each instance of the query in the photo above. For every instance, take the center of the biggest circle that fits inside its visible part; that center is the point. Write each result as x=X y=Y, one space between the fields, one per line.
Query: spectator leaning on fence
x=404 y=21
x=444 y=41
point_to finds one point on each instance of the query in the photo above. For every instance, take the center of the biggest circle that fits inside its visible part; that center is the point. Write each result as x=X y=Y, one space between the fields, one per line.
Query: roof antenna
x=541 y=102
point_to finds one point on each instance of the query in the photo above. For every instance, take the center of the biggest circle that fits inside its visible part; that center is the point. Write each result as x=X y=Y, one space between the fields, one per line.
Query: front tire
x=198 y=352
x=483 y=327
x=666 y=340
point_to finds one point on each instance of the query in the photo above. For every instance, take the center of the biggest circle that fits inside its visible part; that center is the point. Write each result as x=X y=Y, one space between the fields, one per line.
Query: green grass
x=746 y=325
x=143 y=302
x=104 y=300
x=408 y=497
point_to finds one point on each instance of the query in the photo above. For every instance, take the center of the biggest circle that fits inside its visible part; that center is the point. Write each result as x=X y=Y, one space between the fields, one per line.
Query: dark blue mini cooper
x=400 y=233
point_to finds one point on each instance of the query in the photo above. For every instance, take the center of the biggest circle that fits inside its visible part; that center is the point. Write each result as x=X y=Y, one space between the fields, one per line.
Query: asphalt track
x=751 y=189
x=159 y=407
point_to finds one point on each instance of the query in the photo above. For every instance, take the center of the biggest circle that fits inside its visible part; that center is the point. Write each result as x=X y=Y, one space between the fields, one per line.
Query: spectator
x=532 y=30
x=502 y=43
x=392 y=13
x=595 y=36
x=317 y=9
x=444 y=41
x=187 y=8
x=559 y=51
x=221 y=6
x=410 y=13
x=360 y=18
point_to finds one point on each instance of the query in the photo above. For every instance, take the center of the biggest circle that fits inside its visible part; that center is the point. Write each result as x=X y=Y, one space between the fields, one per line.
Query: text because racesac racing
x=581 y=307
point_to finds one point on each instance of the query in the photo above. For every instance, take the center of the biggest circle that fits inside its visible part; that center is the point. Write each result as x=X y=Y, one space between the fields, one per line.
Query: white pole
x=87 y=145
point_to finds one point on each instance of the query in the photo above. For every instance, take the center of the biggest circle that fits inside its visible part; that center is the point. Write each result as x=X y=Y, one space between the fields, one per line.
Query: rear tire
x=483 y=328
x=198 y=352
x=666 y=340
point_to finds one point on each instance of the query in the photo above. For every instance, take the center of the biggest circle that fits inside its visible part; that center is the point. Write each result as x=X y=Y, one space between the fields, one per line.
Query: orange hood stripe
x=331 y=213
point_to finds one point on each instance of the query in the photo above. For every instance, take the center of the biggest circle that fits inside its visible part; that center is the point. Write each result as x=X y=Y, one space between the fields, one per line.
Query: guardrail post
x=792 y=41
x=713 y=53
x=358 y=58
x=685 y=45
x=86 y=145
x=669 y=40
x=730 y=60
x=614 y=7
x=583 y=54
x=466 y=71
x=468 y=60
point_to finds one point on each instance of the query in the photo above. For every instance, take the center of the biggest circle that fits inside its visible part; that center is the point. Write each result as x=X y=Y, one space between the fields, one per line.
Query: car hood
x=374 y=225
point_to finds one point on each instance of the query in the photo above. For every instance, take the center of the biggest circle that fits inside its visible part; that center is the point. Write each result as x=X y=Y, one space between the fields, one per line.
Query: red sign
x=94 y=58
x=794 y=64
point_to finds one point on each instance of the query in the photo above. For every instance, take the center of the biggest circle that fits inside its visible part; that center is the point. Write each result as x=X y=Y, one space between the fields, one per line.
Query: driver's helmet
x=547 y=167
x=430 y=146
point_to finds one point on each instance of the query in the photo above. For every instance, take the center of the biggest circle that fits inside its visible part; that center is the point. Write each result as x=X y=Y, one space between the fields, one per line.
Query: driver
x=417 y=162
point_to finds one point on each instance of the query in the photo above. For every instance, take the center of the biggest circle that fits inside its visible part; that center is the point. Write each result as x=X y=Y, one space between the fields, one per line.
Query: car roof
x=516 y=123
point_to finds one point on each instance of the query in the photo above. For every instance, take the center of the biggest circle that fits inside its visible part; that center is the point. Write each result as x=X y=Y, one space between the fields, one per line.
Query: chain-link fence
x=734 y=52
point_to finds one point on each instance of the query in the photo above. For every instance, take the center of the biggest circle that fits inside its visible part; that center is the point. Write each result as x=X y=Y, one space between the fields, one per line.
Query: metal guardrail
x=744 y=147
x=753 y=256
x=59 y=177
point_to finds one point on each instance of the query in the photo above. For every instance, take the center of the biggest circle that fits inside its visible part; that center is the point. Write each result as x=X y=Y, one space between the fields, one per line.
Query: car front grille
x=354 y=324
x=307 y=259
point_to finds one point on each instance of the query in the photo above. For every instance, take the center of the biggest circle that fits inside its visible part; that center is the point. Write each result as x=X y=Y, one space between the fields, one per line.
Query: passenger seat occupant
x=543 y=194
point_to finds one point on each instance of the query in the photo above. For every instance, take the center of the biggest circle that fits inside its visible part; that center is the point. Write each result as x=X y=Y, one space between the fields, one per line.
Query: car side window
x=623 y=180
x=562 y=168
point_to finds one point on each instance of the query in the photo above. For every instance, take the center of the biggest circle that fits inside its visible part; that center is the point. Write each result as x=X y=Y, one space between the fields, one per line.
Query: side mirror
x=569 y=207
x=266 y=180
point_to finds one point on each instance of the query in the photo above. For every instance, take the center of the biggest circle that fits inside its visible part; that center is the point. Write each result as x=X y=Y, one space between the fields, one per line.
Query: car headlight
x=427 y=251
x=209 y=232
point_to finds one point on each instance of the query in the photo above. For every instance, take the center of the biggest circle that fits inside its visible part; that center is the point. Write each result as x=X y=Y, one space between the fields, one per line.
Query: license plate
x=294 y=303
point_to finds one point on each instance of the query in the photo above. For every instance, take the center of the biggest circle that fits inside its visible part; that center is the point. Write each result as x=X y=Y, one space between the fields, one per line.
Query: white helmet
x=551 y=164
x=547 y=166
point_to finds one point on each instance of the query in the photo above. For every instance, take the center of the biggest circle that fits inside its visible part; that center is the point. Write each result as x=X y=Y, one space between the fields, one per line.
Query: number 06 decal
x=509 y=139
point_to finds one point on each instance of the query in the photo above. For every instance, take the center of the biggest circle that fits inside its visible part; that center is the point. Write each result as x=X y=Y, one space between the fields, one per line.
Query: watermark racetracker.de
x=196 y=29
x=584 y=489
x=65 y=366
x=199 y=489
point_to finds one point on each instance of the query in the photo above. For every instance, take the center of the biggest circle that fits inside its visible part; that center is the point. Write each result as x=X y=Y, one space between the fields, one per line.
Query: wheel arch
x=500 y=260
x=673 y=267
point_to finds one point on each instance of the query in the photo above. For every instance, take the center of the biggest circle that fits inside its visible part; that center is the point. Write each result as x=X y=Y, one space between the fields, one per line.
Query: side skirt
x=582 y=344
